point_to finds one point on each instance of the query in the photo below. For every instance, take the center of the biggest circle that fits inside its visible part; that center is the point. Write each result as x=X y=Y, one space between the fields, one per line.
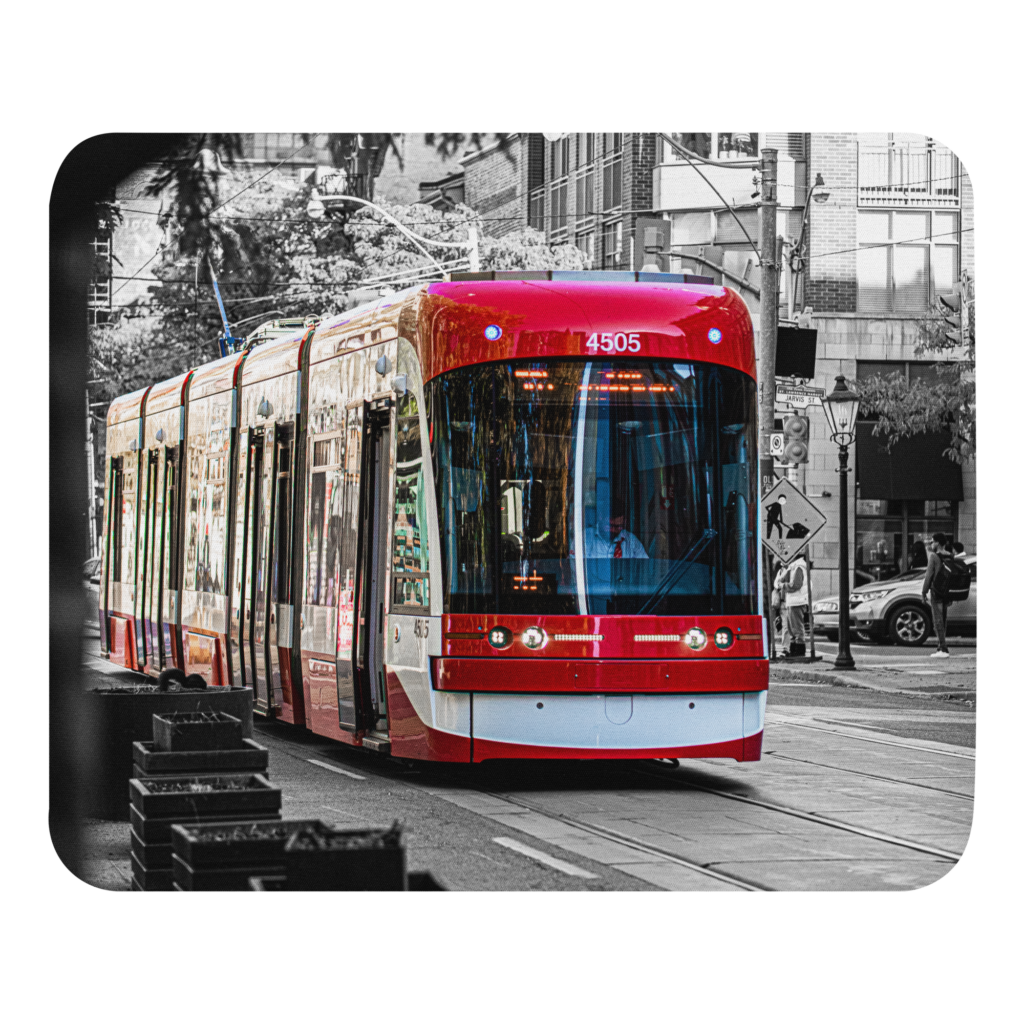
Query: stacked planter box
x=249 y=759
x=320 y=858
x=224 y=855
x=157 y=804
x=114 y=719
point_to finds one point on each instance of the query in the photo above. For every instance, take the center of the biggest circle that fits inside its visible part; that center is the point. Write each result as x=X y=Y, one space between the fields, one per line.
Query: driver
x=613 y=541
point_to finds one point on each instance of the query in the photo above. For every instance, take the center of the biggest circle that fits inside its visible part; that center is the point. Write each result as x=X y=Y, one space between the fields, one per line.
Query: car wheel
x=832 y=638
x=909 y=626
x=864 y=635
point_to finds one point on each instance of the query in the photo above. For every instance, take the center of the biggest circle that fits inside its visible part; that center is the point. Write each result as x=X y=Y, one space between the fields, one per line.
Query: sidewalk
x=908 y=670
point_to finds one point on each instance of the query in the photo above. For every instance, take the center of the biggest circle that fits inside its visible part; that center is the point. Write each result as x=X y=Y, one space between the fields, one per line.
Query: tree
x=272 y=260
x=948 y=403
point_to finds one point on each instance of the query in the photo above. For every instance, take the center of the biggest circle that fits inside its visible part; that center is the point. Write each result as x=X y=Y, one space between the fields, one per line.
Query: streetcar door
x=147 y=524
x=240 y=564
x=263 y=527
x=373 y=564
x=280 y=567
x=254 y=472
x=169 y=568
x=153 y=560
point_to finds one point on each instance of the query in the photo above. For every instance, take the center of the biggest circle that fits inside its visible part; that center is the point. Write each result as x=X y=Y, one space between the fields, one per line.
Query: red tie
x=618 y=549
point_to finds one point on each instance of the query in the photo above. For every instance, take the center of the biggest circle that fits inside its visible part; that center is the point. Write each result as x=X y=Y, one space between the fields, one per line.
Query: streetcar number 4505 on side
x=613 y=342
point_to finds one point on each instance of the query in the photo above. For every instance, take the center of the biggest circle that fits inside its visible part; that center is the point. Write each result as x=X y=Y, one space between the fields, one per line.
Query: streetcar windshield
x=571 y=487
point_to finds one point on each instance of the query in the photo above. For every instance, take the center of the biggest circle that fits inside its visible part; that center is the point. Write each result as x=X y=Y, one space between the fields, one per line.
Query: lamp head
x=841 y=409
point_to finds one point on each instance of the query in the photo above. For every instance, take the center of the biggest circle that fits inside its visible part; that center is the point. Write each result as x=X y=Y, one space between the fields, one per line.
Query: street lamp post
x=841 y=412
x=318 y=205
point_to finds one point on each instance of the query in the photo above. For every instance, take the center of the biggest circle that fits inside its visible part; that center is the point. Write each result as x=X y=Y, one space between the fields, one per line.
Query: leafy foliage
x=948 y=403
x=272 y=260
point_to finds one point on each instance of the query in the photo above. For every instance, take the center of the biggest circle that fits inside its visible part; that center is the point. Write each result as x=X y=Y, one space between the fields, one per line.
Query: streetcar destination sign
x=788 y=521
x=799 y=395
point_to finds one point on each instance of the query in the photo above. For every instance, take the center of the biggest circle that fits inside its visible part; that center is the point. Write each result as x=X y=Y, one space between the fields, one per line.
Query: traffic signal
x=796 y=430
x=954 y=304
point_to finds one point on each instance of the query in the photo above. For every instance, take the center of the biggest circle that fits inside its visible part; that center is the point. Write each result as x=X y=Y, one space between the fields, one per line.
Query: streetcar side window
x=324 y=534
x=410 y=560
x=116 y=515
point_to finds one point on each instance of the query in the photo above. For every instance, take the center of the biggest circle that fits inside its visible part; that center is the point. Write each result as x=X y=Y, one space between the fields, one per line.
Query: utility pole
x=769 y=317
x=769 y=311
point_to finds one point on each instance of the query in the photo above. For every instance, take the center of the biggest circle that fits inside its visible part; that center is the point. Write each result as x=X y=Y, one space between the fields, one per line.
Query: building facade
x=873 y=227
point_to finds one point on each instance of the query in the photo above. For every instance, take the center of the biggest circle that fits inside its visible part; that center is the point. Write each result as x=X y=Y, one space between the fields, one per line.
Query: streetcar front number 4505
x=613 y=343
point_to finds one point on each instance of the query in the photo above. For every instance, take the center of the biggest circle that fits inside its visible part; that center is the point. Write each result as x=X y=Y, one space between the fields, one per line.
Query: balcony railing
x=908 y=174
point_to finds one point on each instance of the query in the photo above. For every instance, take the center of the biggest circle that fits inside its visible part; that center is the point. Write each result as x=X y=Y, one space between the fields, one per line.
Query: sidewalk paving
x=909 y=670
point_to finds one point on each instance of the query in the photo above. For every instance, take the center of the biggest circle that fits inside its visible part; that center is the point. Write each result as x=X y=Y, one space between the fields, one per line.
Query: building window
x=611 y=245
x=585 y=149
x=585 y=195
x=536 y=210
x=611 y=191
x=559 y=158
x=585 y=243
x=558 y=169
x=559 y=207
x=276 y=145
x=905 y=259
x=713 y=145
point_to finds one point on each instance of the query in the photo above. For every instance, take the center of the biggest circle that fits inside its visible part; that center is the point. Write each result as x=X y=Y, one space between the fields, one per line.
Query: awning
x=916 y=469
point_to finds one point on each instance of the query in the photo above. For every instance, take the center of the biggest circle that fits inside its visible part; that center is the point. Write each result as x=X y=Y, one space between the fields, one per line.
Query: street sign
x=776 y=444
x=799 y=395
x=788 y=521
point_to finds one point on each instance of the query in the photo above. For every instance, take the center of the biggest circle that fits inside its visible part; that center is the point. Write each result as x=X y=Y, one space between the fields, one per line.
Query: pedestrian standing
x=958 y=549
x=776 y=604
x=930 y=588
x=795 y=590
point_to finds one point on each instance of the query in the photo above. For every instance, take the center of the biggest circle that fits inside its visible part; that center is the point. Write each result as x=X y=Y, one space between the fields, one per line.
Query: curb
x=860 y=684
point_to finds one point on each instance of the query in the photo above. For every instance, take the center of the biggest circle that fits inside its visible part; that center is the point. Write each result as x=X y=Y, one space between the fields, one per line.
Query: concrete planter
x=113 y=719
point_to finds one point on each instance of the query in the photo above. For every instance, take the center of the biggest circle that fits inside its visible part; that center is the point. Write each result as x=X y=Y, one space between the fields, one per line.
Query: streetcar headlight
x=723 y=637
x=696 y=639
x=499 y=637
x=534 y=637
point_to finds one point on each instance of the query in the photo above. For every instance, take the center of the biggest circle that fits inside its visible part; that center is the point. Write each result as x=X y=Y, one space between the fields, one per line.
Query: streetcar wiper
x=678 y=571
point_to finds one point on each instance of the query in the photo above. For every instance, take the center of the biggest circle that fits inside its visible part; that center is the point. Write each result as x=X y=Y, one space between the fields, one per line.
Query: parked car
x=893 y=610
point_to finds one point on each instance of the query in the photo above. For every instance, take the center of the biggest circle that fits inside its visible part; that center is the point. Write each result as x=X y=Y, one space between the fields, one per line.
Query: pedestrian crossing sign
x=788 y=521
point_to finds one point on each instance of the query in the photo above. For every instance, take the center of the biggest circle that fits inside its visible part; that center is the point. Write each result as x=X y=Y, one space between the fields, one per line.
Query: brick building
x=887 y=230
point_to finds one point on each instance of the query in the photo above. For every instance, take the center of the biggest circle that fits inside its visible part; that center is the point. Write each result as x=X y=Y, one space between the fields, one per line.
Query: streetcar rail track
x=871 y=775
x=603 y=832
x=819 y=819
x=873 y=739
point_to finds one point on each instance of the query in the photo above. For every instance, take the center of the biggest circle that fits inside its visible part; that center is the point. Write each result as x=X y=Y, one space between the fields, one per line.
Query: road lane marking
x=335 y=768
x=545 y=858
x=654 y=864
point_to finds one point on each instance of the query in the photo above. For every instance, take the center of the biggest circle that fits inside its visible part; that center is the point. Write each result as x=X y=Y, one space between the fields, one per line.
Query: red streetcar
x=508 y=515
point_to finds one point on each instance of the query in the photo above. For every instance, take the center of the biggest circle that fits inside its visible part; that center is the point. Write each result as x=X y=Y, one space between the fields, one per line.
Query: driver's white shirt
x=599 y=547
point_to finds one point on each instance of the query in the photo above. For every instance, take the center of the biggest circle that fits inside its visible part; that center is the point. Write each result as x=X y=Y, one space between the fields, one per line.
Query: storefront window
x=893 y=536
